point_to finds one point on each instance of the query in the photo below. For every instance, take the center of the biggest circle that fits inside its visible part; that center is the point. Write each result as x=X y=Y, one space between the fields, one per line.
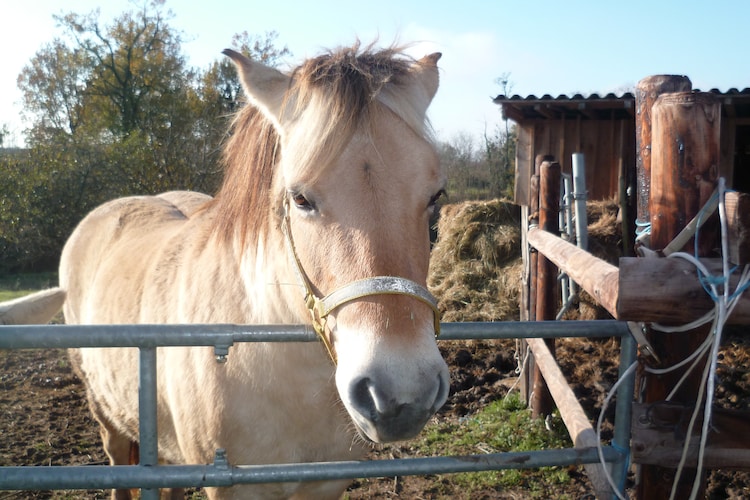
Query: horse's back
x=104 y=264
x=108 y=269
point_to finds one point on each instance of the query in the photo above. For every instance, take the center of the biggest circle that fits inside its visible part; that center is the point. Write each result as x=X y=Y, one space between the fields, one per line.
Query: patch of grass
x=503 y=426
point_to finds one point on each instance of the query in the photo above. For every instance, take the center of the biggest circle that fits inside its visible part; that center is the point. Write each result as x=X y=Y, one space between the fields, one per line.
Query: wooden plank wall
x=603 y=142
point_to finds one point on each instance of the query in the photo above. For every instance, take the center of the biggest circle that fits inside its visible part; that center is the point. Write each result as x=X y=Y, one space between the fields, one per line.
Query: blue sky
x=548 y=47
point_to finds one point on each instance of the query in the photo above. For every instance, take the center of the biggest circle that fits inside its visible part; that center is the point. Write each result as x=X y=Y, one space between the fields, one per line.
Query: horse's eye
x=435 y=198
x=301 y=202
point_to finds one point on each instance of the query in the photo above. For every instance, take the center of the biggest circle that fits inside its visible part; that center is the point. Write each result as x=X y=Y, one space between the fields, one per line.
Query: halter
x=320 y=308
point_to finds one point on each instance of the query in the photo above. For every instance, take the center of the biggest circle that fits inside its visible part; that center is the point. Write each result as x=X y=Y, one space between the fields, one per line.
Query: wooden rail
x=657 y=290
x=596 y=276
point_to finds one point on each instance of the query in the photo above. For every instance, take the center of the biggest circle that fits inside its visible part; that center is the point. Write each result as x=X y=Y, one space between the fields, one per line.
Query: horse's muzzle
x=381 y=418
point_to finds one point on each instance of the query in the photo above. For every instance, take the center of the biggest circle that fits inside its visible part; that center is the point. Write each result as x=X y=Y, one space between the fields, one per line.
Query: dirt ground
x=44 y=419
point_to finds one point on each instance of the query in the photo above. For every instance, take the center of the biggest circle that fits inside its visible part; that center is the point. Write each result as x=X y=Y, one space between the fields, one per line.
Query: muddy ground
x=44 y=419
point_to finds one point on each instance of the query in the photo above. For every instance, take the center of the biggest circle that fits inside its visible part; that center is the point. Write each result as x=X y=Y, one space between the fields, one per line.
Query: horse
x=331 y=176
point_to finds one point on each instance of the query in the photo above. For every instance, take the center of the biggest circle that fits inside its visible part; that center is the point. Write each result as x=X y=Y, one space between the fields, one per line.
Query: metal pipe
x=150 y=476
x=148 y=441
x=579 y=196
x=174 y=476
x=66 y=336
x=624 y=410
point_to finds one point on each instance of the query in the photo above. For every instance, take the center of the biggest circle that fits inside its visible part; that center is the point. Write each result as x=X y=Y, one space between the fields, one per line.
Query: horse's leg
x=118 y=448
x=165 y=493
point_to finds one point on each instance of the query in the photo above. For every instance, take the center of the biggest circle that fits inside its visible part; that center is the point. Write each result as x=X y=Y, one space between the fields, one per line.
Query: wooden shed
x=603 y=129
x=697 y=137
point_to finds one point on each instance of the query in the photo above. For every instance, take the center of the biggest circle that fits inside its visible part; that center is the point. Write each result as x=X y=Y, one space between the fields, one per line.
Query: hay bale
x=475 y=264
x=475 y=267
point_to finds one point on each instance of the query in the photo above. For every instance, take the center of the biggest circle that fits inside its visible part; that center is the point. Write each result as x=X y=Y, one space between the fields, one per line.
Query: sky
x=546 y=46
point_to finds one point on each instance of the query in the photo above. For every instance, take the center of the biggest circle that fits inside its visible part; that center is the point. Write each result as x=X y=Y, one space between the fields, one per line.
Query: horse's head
x=355 y=184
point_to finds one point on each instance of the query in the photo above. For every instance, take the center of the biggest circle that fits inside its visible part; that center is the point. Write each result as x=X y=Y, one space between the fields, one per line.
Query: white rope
x=724 y=304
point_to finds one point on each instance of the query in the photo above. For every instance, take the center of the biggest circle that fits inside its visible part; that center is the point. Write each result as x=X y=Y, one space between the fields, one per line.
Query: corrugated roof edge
x=594 y=96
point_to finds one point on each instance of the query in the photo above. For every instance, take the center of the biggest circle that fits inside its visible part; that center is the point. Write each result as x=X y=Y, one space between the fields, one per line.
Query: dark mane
x=250 y=155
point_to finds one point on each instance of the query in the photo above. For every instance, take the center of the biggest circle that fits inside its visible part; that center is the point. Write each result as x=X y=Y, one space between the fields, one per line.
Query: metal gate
x=149 y=476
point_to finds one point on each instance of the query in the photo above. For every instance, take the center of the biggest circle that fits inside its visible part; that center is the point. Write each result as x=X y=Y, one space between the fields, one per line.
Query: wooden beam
x=737 y=207
x=579 y=427
x=657 y=290
x=596 y=276
x=668 y=291
x=658 y=436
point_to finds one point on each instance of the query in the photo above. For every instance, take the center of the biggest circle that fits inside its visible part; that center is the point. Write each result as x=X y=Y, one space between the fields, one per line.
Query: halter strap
x=320 y=308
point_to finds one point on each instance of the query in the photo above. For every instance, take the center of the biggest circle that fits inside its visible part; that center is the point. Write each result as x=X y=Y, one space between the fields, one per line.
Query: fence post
x=528 y=294
x=684 y=171
x=147 y=419
x=547 y=283
x=646 y=92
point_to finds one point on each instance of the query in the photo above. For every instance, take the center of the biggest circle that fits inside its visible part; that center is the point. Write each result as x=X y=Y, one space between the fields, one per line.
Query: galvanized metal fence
x=149 y=475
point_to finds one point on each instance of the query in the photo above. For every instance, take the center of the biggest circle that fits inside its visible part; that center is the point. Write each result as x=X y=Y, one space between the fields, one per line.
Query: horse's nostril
x=362 y=398
x=442 y=393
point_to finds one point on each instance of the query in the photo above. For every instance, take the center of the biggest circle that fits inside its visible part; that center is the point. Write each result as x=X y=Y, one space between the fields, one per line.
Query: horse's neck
x=273 y=288
x=277 y=297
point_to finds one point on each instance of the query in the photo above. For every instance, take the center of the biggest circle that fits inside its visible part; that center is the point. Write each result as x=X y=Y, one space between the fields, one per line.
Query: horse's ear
x=426 y=74
x=265 y=86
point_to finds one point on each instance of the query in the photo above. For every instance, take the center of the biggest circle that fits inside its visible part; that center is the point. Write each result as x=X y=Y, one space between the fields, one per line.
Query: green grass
x=17 y=285
x=503 y=426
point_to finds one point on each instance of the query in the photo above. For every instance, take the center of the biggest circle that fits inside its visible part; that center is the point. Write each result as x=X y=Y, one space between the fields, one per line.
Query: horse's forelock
x=338 y=93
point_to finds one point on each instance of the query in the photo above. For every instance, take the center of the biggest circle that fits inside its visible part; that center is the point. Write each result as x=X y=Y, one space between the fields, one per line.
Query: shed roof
x=735 y=104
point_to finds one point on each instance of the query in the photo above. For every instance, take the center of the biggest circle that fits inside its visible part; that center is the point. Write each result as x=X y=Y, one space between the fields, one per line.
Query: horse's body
x=338 y=156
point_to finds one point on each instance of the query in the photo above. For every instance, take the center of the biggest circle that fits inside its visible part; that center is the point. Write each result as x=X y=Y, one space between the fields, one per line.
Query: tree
x=114 y=111
x=500 y=149
x=53 y=90
x=135 y=64
x=499 y=157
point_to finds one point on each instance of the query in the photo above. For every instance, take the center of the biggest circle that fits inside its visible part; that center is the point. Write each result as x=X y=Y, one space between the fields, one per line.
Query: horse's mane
x=331 y=97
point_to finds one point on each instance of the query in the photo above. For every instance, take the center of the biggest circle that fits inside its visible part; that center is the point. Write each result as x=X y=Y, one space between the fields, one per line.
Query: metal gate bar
x=221 y=474
x=223 y=336
x=150 y=476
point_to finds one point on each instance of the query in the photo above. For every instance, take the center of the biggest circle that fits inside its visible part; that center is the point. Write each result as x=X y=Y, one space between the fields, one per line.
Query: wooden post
x=738 y=226
x=684 y=167
x=528 y=312
x=534 y=222
x=646 y=93
x=547 y=303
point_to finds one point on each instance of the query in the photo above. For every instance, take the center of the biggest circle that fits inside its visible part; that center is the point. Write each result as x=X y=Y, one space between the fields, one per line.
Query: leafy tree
x=476 y=172
x=53 y=90
x=135 y=65
x=114 y=111
x=499 y=157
